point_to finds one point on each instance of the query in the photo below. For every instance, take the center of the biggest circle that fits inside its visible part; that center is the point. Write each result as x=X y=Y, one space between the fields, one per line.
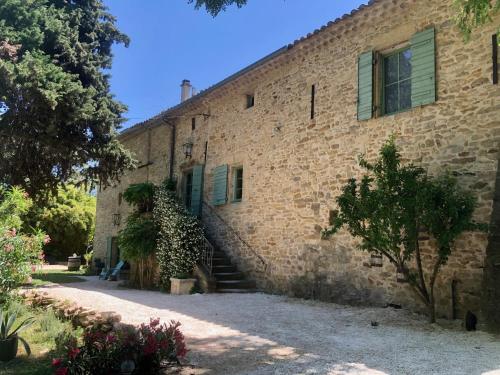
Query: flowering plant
x=19 y=253
x=148 y=347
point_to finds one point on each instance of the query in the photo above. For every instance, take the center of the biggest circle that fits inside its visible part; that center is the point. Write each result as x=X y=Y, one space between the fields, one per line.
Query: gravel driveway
x=265 y=334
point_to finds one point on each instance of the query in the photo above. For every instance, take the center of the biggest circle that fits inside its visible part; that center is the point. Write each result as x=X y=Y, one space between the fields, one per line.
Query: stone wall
x=294 y=167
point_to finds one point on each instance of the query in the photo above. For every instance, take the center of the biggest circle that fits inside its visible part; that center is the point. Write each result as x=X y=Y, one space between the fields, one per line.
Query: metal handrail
x=207 y=254
x=236 y=234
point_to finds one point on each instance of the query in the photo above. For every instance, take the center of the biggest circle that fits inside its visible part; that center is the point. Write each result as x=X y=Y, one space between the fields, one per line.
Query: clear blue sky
x=171 y=41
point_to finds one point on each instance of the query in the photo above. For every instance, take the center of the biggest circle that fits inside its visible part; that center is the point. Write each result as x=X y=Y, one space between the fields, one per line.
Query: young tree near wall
x=392 y=205
x=57 y=115
x=137 y=241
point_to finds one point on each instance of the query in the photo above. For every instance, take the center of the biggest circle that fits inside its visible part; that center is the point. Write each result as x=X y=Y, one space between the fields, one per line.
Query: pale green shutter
x=365 y=86
x=197 y=190
x=423 y=65
x=220 y=185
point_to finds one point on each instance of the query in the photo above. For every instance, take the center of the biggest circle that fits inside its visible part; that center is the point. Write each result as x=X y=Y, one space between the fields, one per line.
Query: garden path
x=267 y=334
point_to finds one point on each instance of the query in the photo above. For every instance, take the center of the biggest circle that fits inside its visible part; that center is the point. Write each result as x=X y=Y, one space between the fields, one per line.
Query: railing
x=207 y=255
x=236 y=234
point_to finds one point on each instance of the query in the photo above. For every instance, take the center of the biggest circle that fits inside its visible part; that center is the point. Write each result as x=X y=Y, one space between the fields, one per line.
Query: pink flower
x=11 y=233
x=33 y=269
x=62 y=371
x=154 y=322
x=46 y=239
x=73 y=352
x=26 y=195
x=8 y=247
x=41 y=256
x=56 y=362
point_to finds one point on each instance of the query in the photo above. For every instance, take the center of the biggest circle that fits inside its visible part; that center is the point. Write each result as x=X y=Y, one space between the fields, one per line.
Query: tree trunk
x=431 y=308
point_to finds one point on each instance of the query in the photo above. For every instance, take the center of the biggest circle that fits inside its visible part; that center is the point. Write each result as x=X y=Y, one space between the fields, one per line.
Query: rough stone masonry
x=294 y=166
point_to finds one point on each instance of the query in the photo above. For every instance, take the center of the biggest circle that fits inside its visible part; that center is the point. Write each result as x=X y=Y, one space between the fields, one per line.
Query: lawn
x=56 y=276
x=41 y=337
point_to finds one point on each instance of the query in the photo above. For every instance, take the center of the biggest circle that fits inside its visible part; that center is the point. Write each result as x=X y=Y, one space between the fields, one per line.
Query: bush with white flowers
x=179 y=239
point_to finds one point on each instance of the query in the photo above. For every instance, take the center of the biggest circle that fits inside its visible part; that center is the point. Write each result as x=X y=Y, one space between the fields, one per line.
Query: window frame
x=382 y=56
x=188 y=192
x=235 y=170
x=249 y=101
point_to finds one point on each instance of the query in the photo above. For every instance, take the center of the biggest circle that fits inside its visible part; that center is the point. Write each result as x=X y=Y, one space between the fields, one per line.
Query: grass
x=54 y=276
x=41 y=337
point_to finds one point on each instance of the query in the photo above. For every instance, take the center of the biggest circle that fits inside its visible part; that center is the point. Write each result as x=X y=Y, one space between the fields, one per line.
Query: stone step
x=227 y=290
x=221 y=262
x=229 y=276
x=223 y=269
x=236 y=284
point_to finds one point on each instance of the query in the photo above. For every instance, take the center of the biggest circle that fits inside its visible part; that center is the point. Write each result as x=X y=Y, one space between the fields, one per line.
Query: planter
x=8 y=349
x=74 y=263
x=181 y=286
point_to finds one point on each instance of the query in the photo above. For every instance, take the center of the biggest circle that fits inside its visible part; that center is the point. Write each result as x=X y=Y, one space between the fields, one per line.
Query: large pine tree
x=57 y=115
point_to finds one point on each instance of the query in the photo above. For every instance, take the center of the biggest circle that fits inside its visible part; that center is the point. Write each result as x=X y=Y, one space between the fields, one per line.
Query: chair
x=115 y=272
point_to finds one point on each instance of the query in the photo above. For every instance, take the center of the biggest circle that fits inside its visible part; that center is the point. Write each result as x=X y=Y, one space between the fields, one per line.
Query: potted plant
x=9 y=338
x=181 y=284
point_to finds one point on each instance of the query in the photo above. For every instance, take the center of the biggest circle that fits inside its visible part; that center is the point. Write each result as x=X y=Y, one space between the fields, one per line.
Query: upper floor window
x=250 y=101
x=397 y=81
x=237 y=184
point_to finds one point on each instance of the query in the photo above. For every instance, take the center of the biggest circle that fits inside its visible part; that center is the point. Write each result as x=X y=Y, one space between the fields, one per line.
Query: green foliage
x=18 y=252
x=179 y=239
x=8 y=331
x=214 y=7
x=393 y=204
x=58 y=117
x=140 y=196
x=138 y=239
x=472 y=14
x=69 y=219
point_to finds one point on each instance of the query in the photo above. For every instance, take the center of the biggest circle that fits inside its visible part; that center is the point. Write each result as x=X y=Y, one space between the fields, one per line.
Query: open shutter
x=423 y=65
x=365 y=86
x=197 y=190
x=220 y=185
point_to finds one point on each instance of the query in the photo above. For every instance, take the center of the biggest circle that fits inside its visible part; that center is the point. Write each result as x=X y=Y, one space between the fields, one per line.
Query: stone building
x=272 y=145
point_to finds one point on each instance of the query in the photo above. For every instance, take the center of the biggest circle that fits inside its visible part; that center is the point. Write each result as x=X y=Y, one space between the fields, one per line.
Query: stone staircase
x=228 y=278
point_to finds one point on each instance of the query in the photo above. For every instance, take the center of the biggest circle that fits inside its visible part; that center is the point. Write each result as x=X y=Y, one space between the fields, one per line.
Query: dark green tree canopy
x=214 y=7
x=57 y=115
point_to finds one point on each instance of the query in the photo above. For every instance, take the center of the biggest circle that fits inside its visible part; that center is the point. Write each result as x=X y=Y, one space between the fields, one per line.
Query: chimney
x=185 y=90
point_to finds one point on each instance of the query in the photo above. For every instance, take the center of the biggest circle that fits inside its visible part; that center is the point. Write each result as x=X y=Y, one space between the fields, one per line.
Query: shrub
x=179 y=237
x=147 y=347
x=19 y=253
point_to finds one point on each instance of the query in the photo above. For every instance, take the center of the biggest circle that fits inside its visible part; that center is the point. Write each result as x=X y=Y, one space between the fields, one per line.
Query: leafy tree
x=214 y=7
x=137 y=241
x=57 y=115
x=392 y=205
x=69 y=219
x=474 y=13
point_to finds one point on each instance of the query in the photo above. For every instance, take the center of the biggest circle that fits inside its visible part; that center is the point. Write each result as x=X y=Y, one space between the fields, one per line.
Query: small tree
x=392 y=205
x=179 y=237
x=137 y=240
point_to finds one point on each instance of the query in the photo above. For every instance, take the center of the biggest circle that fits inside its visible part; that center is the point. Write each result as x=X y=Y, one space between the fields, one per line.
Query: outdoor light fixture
x=116 y=219
x=188 y=149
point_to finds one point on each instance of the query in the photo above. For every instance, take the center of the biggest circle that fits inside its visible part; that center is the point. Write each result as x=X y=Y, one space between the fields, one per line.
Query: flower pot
x=74 y=263
x=181 y=286
x=8 y=349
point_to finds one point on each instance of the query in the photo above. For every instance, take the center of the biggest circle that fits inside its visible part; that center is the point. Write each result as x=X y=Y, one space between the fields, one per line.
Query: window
x=237 y=184
x=397 y=81
x=193 y=123
x=250 y=101
x=120 y=198
x=313 y=97
x=188 y=188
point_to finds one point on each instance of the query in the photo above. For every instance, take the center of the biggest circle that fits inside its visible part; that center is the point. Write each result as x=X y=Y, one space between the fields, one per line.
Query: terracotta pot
x=181 y=286
x=8 y=349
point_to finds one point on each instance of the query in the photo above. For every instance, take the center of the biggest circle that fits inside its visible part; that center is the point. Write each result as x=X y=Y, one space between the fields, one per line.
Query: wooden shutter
x=197 y=190
x=365 y=86
x=423 y=65
x=220 y=185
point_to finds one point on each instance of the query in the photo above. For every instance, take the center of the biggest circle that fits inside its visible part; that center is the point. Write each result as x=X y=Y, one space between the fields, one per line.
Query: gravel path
x=264 y=334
